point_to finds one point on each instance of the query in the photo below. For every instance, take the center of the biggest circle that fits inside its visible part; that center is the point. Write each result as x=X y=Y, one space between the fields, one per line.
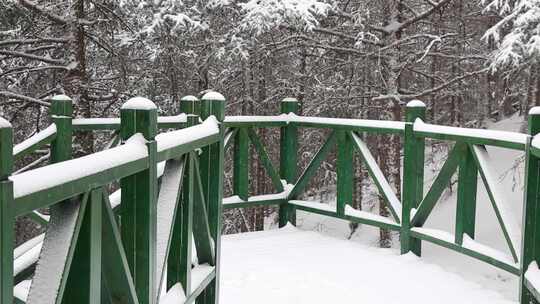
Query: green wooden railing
x=134 y=245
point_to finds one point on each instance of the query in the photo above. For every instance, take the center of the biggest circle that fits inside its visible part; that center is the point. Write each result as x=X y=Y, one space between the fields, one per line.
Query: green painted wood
x=82 y=125
x=492 y=198
x=53 y=195
x=241 y=164
x=176 y=152
x=230 y=134
x=258 y=203
x=265 y=159
x=511 y=268
x=114 y=268
x=466 y=196
x=212 y=169
x=311 y=169
x=530 y=240
x=7 y=219
x=190 y=105
x=377 y=176
x=201 y=228
x=437 y=188
x=201 y=288
x=139 y=205
x=7 y=237
x=413 y=178
x=353 y=219
x=345 y=171
x=288 y=158
x=84 y=277
x=61 y=111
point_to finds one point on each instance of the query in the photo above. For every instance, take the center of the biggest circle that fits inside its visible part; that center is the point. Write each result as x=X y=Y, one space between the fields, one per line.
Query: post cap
x=139 y=103
x=4 y=124
x=290 y=99
x=189 y=98
x=61 y=97
x=534 y=111
x=416 y=104
x=213 y=96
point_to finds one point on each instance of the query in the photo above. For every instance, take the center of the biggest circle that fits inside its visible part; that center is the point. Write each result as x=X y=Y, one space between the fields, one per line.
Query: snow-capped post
x=413 y=175
x=288 y=155
x=211 y=161
x=139 y=199
x=530 y=251
x=190 y=105
x=7 y=219
x=61 y=114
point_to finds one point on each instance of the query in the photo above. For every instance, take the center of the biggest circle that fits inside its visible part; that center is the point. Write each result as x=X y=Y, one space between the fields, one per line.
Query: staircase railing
x=133 y=222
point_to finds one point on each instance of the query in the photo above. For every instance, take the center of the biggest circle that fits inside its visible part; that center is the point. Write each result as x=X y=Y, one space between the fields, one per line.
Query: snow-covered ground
x=291 y=265
x=510 y=179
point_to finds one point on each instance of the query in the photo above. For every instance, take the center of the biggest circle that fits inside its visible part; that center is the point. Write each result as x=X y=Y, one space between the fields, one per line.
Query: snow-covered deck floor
x=294 y=266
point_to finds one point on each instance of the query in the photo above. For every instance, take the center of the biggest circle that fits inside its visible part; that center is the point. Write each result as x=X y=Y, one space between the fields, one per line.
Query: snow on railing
x=60 y=173
x=180 y=137
x=40 y=138
x=480 y=136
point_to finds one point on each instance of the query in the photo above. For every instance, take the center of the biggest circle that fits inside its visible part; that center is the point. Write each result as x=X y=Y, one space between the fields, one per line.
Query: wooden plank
x=466 y=196
x=288 y=158
x=201 y=228
x=241 y=165
x=345 y=172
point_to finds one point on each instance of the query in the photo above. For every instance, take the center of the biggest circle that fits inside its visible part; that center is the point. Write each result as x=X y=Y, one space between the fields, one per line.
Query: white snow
x=60 y=173
x=213 y=96
x=176 y=293
x=393 y=125
x=61 y=97
x=189 y=98
x=35 y=139
x=314 y=205
x=96 y=121
x=416 y=104
x=534 y=111
x=176 y=138
x=4 y=123
x=139 y=103
x=487 y=251
x=235 y=199
x=513 y=137
x=350 y=211
x=303 y=267
x=283 y=118
x=290 y=99
x=21 y=290
x=533 y=275
x=180 y=118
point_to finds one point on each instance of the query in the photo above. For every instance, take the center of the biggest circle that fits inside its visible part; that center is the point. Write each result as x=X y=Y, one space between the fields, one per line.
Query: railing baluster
x=466 y=196
x=211 y=166
x=288 y=157
x=413 y=175
x=139 y=196
x=345 y=171
x=7 y=220
x=530 y=248
x=241 y=165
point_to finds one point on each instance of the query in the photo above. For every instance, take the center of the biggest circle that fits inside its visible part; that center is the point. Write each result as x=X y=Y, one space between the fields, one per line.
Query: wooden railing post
x=61 y=114
x=190 y=105
x=413 y=175
x=530 y=248
x=345 y=172
x=7 y=219
x=139 y=200
x=211 y=166
x=288 y=155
